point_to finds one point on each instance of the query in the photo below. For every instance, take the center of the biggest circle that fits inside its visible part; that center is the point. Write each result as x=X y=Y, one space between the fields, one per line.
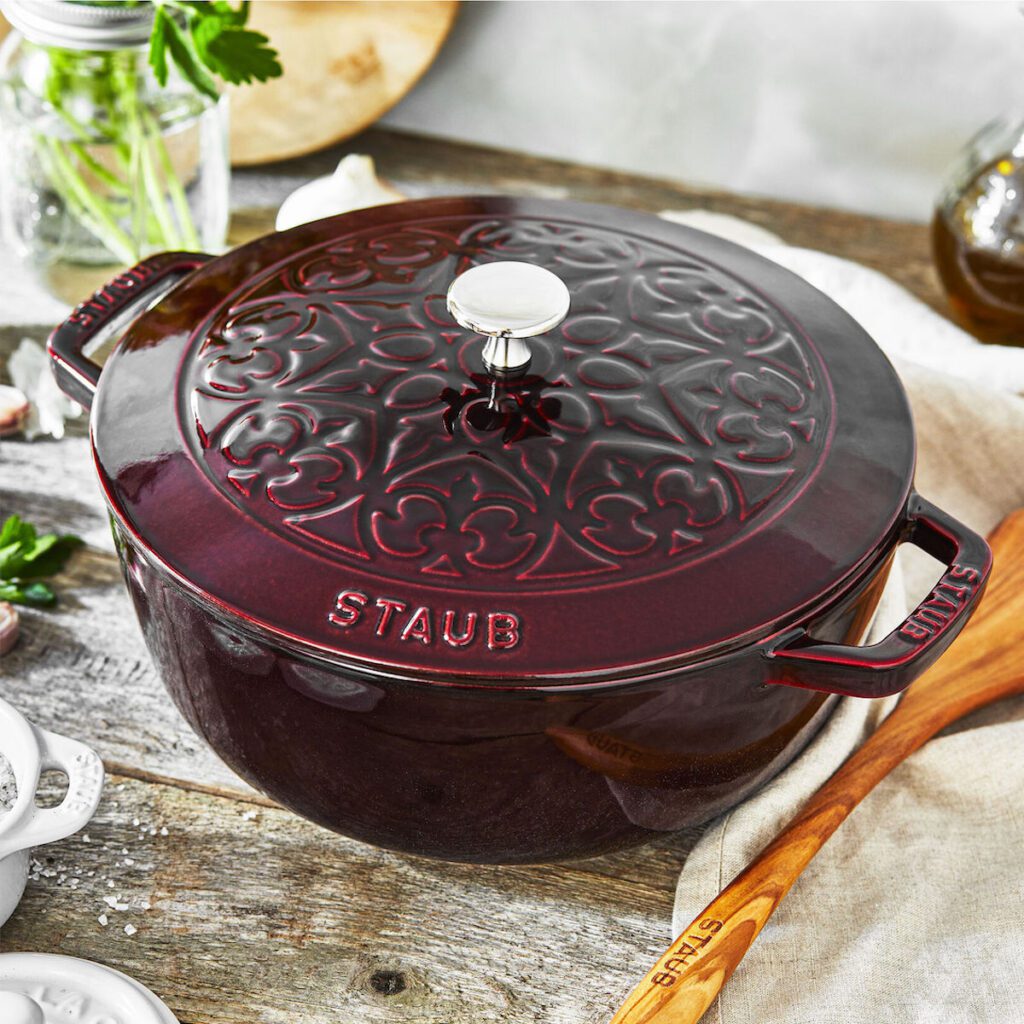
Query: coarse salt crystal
x=130 y=929
x=8 y=786
x=103 y=920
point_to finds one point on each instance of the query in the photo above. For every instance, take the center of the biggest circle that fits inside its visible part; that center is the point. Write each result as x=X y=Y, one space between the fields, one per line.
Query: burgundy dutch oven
x=491 y=612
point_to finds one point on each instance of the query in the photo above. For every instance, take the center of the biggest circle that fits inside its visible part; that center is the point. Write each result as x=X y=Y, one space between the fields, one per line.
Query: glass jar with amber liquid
x=978 y=235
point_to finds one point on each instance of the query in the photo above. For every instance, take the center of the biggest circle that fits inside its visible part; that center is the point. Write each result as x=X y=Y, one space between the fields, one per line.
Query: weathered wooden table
x=239 y=912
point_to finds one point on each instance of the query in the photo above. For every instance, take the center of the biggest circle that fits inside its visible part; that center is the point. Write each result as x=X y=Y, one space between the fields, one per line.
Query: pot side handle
x=84 y=771
x=893 y=663
x=109 y=309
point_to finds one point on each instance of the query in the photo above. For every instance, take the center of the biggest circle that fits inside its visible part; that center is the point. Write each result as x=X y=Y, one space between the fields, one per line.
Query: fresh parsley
x=207 y=38
x=26 y=557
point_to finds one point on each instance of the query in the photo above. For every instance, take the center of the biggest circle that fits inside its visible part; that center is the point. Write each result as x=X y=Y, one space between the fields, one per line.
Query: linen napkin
x=914 y=911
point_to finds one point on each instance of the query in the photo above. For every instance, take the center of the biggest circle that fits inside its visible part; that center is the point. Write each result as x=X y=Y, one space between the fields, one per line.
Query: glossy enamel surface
x=486 y=775
x=520 y=617
x=705 y=452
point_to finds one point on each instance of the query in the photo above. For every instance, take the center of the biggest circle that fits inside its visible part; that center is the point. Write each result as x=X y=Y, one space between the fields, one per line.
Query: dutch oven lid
x=700 y=453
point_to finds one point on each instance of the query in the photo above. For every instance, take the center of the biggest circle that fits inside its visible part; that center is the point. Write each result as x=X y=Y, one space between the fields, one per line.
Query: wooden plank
x=311 y=927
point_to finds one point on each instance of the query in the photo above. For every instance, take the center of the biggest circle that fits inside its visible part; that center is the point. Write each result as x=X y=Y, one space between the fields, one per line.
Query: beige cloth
x=914 y=911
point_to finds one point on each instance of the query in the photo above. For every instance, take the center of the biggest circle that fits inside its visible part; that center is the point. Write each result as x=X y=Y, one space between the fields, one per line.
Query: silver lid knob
x=508 y=301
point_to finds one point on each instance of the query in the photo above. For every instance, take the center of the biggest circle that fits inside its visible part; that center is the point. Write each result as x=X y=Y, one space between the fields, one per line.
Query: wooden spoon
x=984 y=665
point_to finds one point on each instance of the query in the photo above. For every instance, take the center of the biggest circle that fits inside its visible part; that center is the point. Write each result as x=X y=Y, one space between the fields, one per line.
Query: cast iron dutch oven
x=597 y=585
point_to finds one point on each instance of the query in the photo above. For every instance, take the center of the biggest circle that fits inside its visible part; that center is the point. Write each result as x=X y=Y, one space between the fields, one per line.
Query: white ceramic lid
x=40 y=988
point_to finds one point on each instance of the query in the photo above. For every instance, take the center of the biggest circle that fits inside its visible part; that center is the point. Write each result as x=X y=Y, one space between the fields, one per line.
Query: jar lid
x=43 y=988
x=80 y=26
x=702 y=451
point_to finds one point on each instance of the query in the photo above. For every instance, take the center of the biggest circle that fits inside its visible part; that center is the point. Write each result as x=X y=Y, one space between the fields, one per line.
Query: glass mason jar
x=978 y=234
x=101 y=165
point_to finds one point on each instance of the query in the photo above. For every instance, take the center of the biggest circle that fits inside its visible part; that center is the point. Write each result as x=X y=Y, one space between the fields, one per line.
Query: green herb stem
x=104 y=174
x=138 y=182
x=177 y=192
x=90 y=210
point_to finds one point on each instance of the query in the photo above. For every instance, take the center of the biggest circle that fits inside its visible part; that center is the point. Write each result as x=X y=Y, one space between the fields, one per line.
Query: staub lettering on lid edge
x=939 y=608
x=391 y=618
x=112 y=294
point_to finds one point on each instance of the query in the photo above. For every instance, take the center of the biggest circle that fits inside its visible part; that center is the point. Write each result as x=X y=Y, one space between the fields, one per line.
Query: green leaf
x=25 y=557
x=15 y=566
x=223 y=10
x=158 y=45
x=213 y=40
x=49 y=558
x=183 y=53
x=238 y=55
x=38 y=595
x=8 y=558
x=16 y=537
x=11 y=530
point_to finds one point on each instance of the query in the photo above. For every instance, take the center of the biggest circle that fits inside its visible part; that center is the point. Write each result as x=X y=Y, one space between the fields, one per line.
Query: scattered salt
x=103 y=920
x=8 y=786
x=130 y=929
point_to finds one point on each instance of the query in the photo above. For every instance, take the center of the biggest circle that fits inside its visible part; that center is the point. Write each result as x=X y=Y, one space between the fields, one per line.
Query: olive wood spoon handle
x=982 y=666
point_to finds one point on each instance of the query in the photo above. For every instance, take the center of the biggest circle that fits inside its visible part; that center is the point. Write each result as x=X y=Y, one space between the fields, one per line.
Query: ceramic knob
x=508 y=301
x=18 y=1009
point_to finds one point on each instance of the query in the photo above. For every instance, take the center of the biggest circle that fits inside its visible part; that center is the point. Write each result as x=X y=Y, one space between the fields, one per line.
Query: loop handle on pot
x=31 y=751
x=92 y=323
x=893 y=663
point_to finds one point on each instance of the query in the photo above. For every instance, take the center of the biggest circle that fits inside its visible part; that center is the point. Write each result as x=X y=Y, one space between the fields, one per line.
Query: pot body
x=492 y=616
x=482 y=775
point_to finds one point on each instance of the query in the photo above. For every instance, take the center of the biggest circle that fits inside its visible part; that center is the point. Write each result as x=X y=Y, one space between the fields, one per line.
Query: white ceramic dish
x=42 y=988
x=31 y=751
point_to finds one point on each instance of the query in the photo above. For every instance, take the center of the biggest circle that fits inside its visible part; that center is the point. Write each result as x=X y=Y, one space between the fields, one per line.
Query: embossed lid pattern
x=703 y=450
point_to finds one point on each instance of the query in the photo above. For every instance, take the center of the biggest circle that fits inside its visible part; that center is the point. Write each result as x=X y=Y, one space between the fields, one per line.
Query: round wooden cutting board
x=345 y=64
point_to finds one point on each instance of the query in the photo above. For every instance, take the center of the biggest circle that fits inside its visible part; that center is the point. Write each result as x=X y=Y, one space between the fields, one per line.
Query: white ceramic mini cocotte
x=30 y=751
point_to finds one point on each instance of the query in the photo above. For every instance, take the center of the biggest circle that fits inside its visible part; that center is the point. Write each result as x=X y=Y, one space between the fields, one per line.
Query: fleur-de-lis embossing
x=336 y=401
